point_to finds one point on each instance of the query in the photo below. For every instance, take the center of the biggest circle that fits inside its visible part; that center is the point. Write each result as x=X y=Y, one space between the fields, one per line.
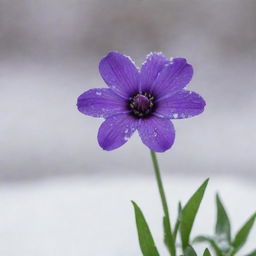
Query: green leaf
x=222 y=228
x=206 y=252
x=211 y=241
x=252 y=253
x=190 y=251
x=146 y=241
x=168 y=236
x=243 y=234
x=188 y=214
x=177 y=224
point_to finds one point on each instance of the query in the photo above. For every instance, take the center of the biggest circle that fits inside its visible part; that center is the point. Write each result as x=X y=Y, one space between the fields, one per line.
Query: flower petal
x=150 y=69
x=116 y=130
x=157 y=133
x=101 y=103
x=182 y=104
x=120 y=74
x=172 y=78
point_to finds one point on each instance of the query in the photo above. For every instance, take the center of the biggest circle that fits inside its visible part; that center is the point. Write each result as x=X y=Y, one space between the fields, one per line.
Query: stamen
x=142 y=104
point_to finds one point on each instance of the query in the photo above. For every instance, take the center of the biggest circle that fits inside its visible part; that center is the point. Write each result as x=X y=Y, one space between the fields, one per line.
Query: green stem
x=167 y=224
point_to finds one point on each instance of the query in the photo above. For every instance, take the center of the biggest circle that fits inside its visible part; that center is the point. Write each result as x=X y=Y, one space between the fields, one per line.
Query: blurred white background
x=61 y=194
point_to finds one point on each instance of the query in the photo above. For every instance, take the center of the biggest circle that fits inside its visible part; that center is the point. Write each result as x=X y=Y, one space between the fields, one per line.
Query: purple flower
x=144 y=100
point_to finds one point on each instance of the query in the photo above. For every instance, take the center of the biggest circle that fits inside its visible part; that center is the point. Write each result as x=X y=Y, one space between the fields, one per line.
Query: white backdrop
x=49 y=56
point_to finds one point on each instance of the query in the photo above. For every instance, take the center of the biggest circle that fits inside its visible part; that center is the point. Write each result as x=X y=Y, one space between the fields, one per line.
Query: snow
x=93 y=215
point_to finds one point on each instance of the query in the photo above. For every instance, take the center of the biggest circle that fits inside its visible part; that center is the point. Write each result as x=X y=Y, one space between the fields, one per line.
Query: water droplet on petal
x=126 y=138
x=155 y=132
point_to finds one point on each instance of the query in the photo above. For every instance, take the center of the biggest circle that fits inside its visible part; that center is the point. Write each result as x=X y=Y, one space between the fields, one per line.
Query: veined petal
x=182 y=104
x=101 y=103
x=157 y=133
x=172 y=78
x=150 y=69
x=116 y=130
x=120 y=74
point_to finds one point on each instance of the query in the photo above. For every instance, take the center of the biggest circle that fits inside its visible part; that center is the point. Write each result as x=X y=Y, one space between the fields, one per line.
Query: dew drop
x=126 y=138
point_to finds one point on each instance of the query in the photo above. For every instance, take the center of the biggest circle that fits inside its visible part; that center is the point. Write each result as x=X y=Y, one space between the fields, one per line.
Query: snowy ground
x=93 y=216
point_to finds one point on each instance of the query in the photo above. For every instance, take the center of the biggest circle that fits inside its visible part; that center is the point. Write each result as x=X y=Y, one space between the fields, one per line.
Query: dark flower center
x=141 y=104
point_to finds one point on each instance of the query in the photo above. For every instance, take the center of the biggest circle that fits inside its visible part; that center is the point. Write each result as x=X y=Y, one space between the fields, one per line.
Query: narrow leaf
x=212 y=243
x=206 y=252
x=243 y=234
x=189 y=213
x=168 y=236
x=190 y=251
x=177 y=224
x=222 y=228
x=146 y=241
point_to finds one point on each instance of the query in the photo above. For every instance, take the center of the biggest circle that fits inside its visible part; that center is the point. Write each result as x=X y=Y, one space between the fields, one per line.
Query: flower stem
x=169 y=240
